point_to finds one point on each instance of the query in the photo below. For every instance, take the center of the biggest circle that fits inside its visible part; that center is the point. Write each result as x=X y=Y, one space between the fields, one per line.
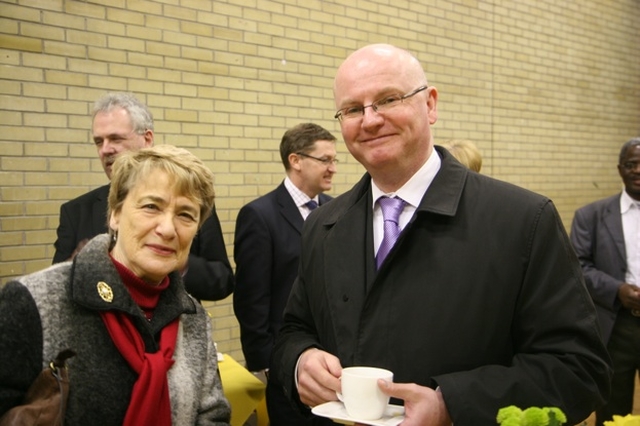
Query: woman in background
x=145 y=354
x=465 y=152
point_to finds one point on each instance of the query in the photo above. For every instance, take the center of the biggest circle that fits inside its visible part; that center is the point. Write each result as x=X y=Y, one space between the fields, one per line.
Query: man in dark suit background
x=121 y=123
x=606 y=237
x=267 y=247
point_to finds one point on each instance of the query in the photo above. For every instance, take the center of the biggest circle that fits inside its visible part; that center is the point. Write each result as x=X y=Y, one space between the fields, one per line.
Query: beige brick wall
x=548 y=90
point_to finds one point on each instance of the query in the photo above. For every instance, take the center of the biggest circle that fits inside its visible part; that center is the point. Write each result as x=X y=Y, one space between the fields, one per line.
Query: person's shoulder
x=262 y=201
x=89 y=197
x=337 y=206
x=600 y=204
x=40 y=282
x=487 y=186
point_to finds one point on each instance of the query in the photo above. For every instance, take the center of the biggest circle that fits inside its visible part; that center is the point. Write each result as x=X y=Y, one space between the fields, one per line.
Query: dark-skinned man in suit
x=606 y=237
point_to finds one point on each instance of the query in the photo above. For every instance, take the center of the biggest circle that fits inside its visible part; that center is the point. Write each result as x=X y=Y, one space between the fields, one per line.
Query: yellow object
x=245 y=392
x=628 y=420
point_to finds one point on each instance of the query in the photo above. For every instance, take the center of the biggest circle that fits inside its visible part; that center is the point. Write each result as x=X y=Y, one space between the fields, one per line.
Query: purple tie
x=311 y=204
x=391 y=209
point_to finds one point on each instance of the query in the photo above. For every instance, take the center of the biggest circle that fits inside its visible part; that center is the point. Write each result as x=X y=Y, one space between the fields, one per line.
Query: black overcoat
x=482 y=295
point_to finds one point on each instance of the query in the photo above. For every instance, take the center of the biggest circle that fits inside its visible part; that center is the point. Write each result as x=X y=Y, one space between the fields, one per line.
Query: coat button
x=345 y=298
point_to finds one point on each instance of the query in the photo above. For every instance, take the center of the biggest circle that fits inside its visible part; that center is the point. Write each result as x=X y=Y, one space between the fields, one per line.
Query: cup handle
x=339 y=394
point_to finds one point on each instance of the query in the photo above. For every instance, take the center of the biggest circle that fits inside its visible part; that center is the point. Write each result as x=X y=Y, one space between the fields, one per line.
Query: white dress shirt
x=630 y=211
x=300 y=198
x=411 y=192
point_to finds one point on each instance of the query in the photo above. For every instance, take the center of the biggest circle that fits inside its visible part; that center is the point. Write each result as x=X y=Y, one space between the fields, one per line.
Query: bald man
x=478 y=304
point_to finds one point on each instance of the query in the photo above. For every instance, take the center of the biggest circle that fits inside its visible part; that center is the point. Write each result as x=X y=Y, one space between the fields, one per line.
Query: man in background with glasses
x=122 y=123
x=267 y=247
x=606 y=237
x=465 y=287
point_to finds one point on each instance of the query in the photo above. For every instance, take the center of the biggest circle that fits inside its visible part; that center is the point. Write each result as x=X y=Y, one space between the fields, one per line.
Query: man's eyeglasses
x=380 y=105
x=630 y=166
x=326 y=161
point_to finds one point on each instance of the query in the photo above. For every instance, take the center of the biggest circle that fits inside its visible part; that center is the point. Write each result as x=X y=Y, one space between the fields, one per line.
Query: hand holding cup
x=361 y=394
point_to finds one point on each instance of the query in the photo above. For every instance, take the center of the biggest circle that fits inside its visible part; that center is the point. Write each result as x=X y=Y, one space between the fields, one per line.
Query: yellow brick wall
x=548 y=90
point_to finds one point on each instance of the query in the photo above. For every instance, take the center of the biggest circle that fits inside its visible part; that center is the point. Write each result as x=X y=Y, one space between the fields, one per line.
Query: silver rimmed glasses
x=381 y=105
x=326 y=161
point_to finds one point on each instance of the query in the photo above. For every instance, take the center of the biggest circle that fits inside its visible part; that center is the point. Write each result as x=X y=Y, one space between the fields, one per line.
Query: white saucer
x=393 y=414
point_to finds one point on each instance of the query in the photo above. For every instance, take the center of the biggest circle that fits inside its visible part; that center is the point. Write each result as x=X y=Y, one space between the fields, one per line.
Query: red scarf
x=150 y=403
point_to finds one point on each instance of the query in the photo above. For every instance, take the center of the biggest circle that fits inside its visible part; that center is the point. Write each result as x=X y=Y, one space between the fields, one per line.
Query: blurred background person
x=466 y=152
x=267 y=247
x=122 y=123
x=145 y=353
x=606 y=238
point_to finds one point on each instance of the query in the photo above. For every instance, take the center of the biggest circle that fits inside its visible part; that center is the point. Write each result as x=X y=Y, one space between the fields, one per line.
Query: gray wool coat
x=58 y=308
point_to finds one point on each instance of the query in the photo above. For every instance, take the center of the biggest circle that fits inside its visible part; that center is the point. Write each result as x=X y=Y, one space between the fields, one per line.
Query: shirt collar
x=626 y=202
x=299 y=197
x=414 y=189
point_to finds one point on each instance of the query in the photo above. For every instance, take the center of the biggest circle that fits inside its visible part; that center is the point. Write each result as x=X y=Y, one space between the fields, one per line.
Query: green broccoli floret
x=535 y=416
x=509 y=414
x=532 y=416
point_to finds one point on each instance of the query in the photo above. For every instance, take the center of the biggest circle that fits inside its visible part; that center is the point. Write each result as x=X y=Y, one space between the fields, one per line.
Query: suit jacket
x=209 y=275
x=482 y=295
x=266 y=252
x=598 y=239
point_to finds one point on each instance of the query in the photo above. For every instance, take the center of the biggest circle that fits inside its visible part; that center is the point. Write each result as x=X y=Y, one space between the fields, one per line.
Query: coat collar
x=288 y=208
x=96 y=285
x=442 y=197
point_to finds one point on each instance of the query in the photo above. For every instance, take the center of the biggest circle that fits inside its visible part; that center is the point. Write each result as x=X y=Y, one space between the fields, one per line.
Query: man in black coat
x=479 y=304
x=267 y=247
x=121 y=122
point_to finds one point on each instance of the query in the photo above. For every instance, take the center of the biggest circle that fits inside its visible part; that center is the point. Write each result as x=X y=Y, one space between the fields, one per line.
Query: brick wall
x=548 y=90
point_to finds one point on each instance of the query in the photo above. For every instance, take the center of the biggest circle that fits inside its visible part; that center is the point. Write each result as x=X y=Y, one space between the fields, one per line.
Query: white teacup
x=361 y=395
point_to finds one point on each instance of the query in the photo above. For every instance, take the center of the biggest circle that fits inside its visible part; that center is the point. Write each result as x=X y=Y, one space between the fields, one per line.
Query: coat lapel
x=349 y=272
x=612 y=220
x=288 y=208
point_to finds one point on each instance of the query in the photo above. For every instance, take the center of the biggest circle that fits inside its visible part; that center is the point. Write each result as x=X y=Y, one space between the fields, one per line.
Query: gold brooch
x=105 y=292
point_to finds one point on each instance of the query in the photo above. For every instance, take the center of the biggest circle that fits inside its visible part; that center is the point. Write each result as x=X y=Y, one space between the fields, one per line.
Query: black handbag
x=46 y=400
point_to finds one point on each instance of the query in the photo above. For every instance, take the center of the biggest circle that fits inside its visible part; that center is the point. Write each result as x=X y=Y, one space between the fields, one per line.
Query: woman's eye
x=188 y=216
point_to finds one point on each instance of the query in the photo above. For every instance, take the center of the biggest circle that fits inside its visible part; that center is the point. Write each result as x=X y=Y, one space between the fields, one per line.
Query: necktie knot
x=391 y=208
x=311 y=204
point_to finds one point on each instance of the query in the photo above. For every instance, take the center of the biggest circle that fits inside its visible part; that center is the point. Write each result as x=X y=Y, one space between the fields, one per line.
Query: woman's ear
x=114 y=221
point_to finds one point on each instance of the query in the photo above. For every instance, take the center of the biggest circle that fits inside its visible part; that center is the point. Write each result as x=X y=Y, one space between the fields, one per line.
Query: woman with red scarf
x=145 y=353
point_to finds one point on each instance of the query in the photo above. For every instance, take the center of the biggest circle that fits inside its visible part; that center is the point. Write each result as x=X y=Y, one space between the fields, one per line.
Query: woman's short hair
x=192 y=178
x=465 y=152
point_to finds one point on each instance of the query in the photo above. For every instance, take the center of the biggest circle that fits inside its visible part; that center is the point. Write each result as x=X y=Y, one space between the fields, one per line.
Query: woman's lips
x=161 y=249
